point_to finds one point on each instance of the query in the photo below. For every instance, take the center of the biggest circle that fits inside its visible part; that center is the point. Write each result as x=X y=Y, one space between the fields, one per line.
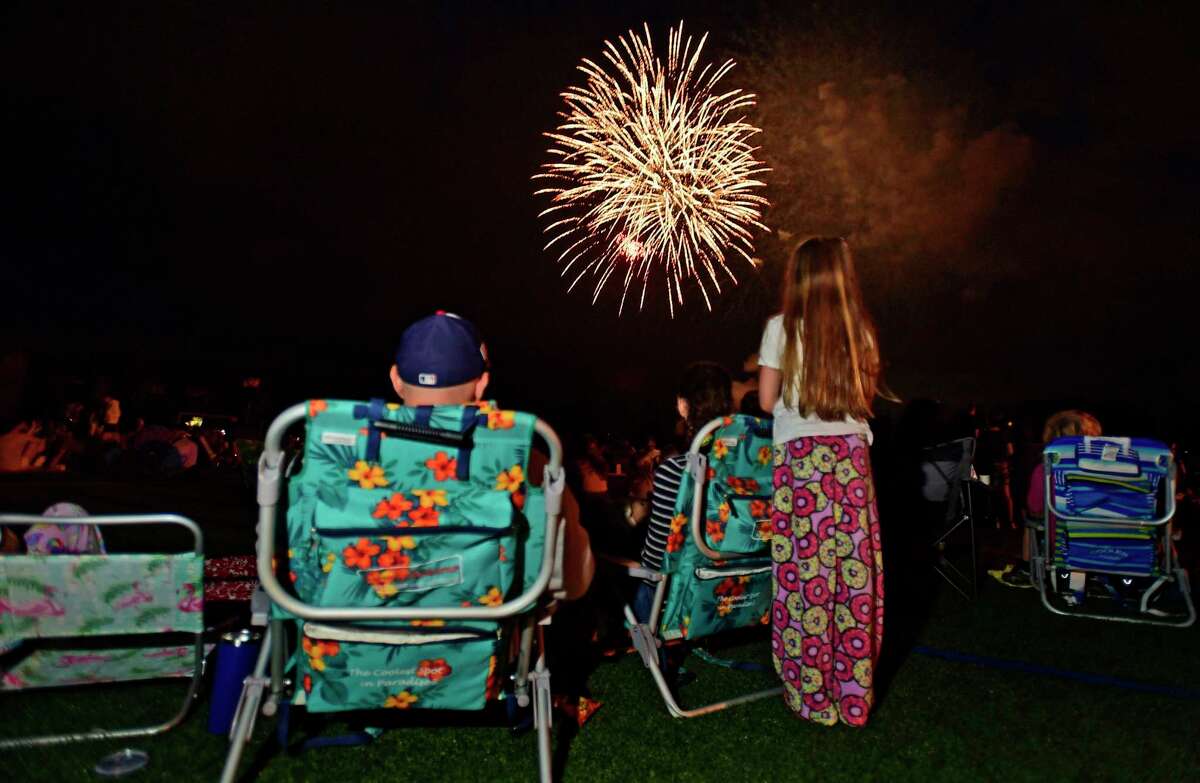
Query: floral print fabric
x=827 y=613
x=414 y=522
x=707 y=597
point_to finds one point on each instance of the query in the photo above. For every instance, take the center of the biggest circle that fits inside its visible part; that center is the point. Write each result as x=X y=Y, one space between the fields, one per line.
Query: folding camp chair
x=1104 y=547
x=716 y=572
x=417 y=558
x=66 y=596
x=947 y=471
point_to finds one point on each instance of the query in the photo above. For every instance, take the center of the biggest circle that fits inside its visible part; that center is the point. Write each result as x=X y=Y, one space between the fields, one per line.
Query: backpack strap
x=422 y=430
x=373 y=411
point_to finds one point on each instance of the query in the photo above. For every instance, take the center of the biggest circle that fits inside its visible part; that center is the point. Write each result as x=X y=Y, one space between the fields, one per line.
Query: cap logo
x=427 y=379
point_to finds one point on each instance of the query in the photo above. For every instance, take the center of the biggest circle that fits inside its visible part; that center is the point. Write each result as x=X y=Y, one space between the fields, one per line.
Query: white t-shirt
x=789 y=422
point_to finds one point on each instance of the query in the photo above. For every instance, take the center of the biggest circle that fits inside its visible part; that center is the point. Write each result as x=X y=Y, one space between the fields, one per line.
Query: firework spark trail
x=652 y=168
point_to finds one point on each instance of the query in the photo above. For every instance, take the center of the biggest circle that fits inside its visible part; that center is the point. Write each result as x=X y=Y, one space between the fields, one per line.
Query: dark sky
x=204 y=188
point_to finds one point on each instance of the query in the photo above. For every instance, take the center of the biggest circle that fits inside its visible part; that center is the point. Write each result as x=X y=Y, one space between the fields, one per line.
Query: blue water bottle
x=236 y=655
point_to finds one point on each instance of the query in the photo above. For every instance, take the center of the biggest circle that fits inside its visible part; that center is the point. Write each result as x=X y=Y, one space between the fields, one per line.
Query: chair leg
x=644 y=643
x=542 y=713
x=121 y=734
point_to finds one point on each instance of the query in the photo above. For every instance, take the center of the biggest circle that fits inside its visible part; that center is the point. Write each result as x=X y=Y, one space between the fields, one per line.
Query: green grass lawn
x=937 y=720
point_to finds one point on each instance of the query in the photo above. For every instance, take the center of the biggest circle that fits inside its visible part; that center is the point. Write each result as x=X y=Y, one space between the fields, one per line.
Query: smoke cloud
x=891 y=161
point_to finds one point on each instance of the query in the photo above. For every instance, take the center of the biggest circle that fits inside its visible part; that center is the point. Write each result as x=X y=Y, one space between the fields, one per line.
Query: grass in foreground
x=937 y=720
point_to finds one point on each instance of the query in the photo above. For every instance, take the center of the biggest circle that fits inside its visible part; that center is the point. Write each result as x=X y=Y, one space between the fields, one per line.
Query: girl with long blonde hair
x=818 y=374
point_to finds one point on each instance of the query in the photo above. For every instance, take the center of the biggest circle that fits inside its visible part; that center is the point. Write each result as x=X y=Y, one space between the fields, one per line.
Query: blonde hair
x=1072 y=422
x=823 y=313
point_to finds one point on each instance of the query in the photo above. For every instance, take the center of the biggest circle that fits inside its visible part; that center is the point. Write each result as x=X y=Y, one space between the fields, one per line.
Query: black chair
x=946 y=469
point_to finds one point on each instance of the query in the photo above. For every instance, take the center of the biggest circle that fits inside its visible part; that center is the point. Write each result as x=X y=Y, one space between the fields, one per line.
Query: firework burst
x=652 y=169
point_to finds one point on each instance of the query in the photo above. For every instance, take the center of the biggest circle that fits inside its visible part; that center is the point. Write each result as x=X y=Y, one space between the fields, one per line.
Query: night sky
x=203 y=190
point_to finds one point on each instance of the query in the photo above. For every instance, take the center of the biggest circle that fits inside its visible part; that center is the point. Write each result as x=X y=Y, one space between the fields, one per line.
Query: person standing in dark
x=993 y=460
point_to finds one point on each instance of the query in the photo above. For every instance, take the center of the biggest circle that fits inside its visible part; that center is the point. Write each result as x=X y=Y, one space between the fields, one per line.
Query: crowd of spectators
x=147 y=434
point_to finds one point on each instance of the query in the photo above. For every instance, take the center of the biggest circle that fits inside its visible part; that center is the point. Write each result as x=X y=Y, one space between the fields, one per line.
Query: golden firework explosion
x=652 y=168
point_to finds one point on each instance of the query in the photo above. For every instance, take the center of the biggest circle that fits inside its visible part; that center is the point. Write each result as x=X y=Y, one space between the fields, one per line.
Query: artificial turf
x=936 y=719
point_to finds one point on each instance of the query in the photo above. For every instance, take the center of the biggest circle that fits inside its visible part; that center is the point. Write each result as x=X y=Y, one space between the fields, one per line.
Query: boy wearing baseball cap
x=441 y=360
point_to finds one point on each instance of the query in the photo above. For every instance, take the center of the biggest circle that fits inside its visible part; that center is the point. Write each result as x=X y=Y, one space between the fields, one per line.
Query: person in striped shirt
x=705 y=392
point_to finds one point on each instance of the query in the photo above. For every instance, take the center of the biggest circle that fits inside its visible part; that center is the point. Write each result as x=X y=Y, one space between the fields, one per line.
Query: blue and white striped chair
x=1104 y=547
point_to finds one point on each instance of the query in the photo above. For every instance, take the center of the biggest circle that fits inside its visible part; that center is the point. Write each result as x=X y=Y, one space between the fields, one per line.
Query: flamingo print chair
x=417 y=564
x=716 y=573
x=66 y=596
x=1104 y=544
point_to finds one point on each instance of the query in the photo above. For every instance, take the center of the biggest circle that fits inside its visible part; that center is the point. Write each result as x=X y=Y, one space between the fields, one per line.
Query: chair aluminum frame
x=960 y=514
x=272 y=654
x=120 y=520
x=1040 y=567
x=645 y=635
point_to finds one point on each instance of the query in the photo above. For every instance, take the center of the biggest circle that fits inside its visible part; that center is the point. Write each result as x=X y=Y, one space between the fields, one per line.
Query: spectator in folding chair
x=47 y=538
x=819 y=372
x=1060 y=425
x=441 y=360
x=705 y=392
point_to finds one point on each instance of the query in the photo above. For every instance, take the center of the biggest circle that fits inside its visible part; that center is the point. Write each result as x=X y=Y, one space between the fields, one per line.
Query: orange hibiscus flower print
x=742 y=486
x=675 y=540
x=400 y=701
x=715 y=530
x=396 y=563
x=720 y=450
x=492 y=597
x=393 y=508
x=424 y=517
x=731 y=587
x=443 y=466
x=511 y=479
x=317 y=406
x=501 y=420
x=368 y=476
x=359 y=555
x=317 y=652
x=399 y=543
x=431 y=497
x=434 y=670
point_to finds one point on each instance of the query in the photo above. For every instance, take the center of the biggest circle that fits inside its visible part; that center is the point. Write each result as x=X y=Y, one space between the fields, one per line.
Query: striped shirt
x=667 y=478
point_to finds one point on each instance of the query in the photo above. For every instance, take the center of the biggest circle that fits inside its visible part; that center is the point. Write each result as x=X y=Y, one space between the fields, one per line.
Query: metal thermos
x=235 y=661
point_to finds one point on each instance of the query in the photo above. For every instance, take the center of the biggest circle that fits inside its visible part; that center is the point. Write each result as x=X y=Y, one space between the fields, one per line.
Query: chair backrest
x=88 y=595
x=60 y=596
x=944 y=469
x=402 y=506
x=1107 y=477
x=707 y=596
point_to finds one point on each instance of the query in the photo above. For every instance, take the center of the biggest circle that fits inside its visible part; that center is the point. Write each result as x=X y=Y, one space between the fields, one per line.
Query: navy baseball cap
x=439 y=351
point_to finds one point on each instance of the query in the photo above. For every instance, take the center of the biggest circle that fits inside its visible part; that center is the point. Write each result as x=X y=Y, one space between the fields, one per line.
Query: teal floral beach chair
x=85 y=597
x=418 y=562
x=716 y=573
x=1104 y=548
